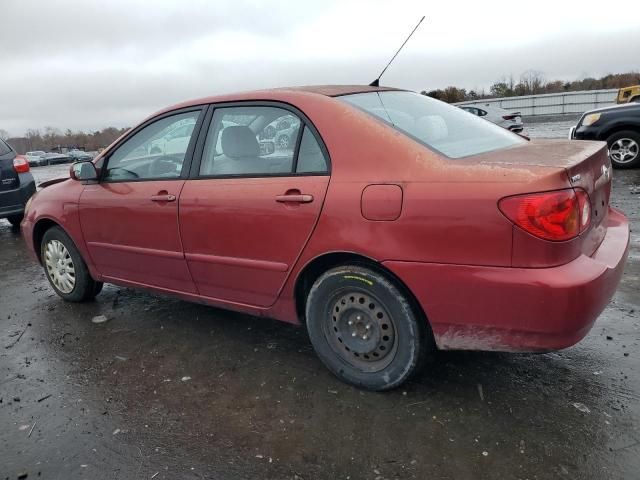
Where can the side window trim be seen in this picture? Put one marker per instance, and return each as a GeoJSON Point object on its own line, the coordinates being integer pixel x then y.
{"type": "Point", "coordinates": [194, 171]}
{"type": "Point", "coordinates": [188, 156]}
{"type": "Point", "coordinates": [296, 150]}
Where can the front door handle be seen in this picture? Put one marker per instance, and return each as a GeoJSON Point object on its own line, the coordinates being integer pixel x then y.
{"type": "Point", "coordinates": [163, 197]}
{"type": "Point", "coordinates": [294, 198]}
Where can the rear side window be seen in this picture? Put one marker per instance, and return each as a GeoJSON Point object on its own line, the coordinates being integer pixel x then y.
{"type": "Point", "coordinates": [250, 141]}
{"type": "Point", "coordinates": [4, 148]}
{"type": "Point", "coordinates": [441, 127]}
{"type": "Point", "coordinates": [310, 157]}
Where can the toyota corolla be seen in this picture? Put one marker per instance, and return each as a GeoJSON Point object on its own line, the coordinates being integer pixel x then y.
{"type": "Point", "coordinates": [391, 226]}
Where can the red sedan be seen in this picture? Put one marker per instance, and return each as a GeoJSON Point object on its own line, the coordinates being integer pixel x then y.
{"type": "Point", "coordinates": [392, 225]}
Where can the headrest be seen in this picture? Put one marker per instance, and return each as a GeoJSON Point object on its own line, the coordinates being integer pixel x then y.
{"type": "Point", "coordinates": [432, 128]}
{"type": "Point", "coordinates": [239, 141]}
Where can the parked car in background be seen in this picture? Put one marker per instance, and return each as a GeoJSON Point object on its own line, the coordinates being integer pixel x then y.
{"type": "Point", "coordinates": [52, 158]}
{"type": "Point", "coordinates": [283, 132]}
{"type": "Point", "coordinates": [173, 141]}
{"type": "Point", "coordinates": [619, 126]}
{"type": "Point", "coordinates": [629, 95]}
{"type": "Point", "coordinates": [506, 119]}
{"type": "Point", "coordinates": [397, 225]}
{"type": "Point", "coordinates": [77, 155]}
{"type": "Point", "coordinates": [36, 158]}
{"type": "Point", "coordinates": [16, 184]}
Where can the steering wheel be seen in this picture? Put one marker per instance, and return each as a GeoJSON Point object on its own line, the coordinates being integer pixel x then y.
{"type": "Point", "coordinates": [165, 164]}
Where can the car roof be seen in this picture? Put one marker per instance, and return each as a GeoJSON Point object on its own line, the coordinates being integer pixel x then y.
{"type": "Point", "coordinates": [280, 94]}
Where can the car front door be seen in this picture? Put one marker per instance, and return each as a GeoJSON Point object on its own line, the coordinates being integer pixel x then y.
{"type": "Point", "coordinates": [129, 218]}
{"type": "Point", "coordinates": [250, 205]}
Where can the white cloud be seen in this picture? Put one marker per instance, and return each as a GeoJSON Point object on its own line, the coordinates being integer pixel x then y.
{"type": "Point", "coordinates": [85, 65]}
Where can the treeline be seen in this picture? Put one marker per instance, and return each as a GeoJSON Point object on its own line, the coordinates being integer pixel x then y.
{"type": "Point", "coordinates": [53, 140]}
{"type": "Point", "coordinates": [533, 82]}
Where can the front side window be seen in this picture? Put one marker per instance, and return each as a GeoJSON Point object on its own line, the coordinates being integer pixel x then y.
{"type": "Point", "coordinates": [250, 141]}
{"type": "Point", "coordinates": [433, 123]}
{"type": "Point", "coordinates": [155, 152]}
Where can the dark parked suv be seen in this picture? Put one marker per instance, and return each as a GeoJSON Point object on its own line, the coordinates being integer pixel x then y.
{"type": "Point", "coordinates": [619, 126]}
{"type": "Point", "coordinates": [16, 184]}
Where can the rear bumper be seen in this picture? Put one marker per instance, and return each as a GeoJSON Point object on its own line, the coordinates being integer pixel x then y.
{"type": "Point", "coordinates": [519, 309]}
{"type": "Point", "coordinates": [12, 202]}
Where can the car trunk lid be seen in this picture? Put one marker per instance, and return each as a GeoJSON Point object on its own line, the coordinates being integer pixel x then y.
{"type": "Point", "coordinates": [587, 166]}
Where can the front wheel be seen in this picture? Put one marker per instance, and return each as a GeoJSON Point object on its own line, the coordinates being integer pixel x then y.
{"type": "Point", "coordinates": [364, 329]}
{"type": "Point", "coordinates": [65, 269]}
{"type": "Point", "coordinates": [624, 149]}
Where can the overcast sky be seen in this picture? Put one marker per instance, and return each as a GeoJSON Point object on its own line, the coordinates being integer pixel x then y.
{"type": "Point", "coordinates": [84, 64]}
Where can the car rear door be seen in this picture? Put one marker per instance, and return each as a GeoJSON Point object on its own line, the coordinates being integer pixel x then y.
{"type": "Point", "coordinates": [248, 208]}
{"type": "Point", "coordinates": [129, 218]}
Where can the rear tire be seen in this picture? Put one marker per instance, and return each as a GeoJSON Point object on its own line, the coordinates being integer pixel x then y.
{"type": "Point", "coordinates": [364, 329]}
{"type": "Point", "coordinates": [624, 149]}
{"type": "Point", "coordinates": [15, 220]}
{"type": "Point", "coordinates": [65, 269]}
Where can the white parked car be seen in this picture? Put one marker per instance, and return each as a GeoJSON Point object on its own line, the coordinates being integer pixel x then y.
{"type": "Point", "coordinates": [173, 141]}
{"type": "Point", "coordinates": [506, 119]}
{"type": "Point", "coordinates": [36, 158]}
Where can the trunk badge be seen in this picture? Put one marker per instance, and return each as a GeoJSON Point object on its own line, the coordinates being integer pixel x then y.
{"type": "Point", "coordinates": [575, 178]}
{"type": "Point", "coordinates": [606, 172]}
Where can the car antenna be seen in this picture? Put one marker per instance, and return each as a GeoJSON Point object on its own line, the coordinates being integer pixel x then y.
{"type": "Point", "coordinates": [376, 82]}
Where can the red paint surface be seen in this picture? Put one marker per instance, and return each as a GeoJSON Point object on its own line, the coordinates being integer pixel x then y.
{"type": "Point", "coordinates": [482, 282]}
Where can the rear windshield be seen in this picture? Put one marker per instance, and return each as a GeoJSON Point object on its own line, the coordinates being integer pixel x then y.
{"type": "Point", "coordinates": [4, 148]}
{"type": "Point", "coordinates": [448, 130]}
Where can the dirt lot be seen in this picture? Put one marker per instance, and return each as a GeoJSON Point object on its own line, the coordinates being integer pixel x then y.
{"type": "Point", "coordinates": [170, 390]}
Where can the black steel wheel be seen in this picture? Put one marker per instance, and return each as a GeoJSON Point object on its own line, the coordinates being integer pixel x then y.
{"type": "Point", "coordinates": [364, 329]}
{"type": "Point", "coordinates": [362, 332]}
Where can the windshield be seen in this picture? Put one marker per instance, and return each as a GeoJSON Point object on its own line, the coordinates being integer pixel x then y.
{"type": "Point", "coordinates": [441, 127]}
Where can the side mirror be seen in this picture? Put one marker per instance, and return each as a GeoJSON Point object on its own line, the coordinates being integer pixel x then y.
{"type": "Point", "coordinates": [83, 171]}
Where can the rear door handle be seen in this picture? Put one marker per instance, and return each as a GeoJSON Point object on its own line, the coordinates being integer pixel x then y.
{"type": "Point", "coordinates": [166, 197]}
{"type": "Point", "coordinates": [294, 198]}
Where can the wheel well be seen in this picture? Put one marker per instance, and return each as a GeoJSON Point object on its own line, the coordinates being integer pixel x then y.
{"type": "Point", "coordinates": [319, 265]}
{"type": "Point", "coordinates": [617, 129]}
{"type": "Point", "coordinates": [38, 232]}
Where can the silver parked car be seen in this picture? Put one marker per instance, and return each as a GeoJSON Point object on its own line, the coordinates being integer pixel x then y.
{"type": "Point", "coordinates": [36, 158]}
{"type": "Point", "coordinates": [506, 119]}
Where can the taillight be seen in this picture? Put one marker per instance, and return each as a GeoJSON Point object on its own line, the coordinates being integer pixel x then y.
{"type": "Point", "coordinates": [20, 165]}
{"type": "Point", "coordinates": [510, 117]}
{"type": "Point", "coordinates": [558, 215]}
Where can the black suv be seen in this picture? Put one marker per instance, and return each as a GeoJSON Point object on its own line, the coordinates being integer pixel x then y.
{"type": "Point", "coordinates": [16, 184]}
{"type": "Point", "coordinates": [619, 126]}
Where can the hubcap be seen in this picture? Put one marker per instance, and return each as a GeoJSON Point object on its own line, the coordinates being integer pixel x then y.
{"type": "Point", "coordinates": [624, 150]}
{"type": "Point", "coordinates": [361, 331]}
{"type": "Point", "coordinates": [59, 265]}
